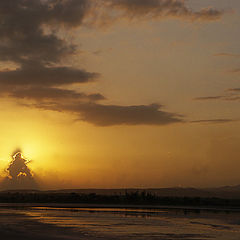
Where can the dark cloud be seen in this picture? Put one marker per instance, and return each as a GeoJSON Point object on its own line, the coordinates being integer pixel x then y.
{"type": "Point", "coordinates": [30, 38]}
{"type": "Point", "coordinates": [70, 13]}
{"type": "Point", "coordinates": [23, 28]}
{"type": "Point", "coordinates": [208, 98]}
{"type": "Point", "coordinates": [109, 115]}
{"type": "Point", "coordinates": [45, 76]}
{"type": "Point", "coordinates": [214, 121]}
{"type": "Point", "coordinates": [28, 27]}
{"type": "Point", "coordinates": [164, 8]}
{"type": "Point", "coordinates": [19, 174]}
{"type": "Point", "coordinates": [48, 93]}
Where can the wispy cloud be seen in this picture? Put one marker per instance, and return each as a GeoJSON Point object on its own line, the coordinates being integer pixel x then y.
{"type": "Point", "coordinates": [237, 90]}
{"type": "Point", "coordinates": [214, 121]}
{"type": "Point", "coordinates": [235, 70]}
{"type": "Point", "coordinates": [231, 94]}
{"type": "Point", "coordinates": [164, 8]}
{"type": "Point", "coordinates": [208, 98]}
{"type": "Point", "coordinates": [223, 54]}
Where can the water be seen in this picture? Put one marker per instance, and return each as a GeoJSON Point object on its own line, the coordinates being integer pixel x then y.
{"type": "Point", "coordinates": [28, 222]}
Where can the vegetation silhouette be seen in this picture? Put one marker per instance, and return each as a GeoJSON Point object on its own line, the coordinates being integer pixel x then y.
{"type": "Point", "coordinates": [132, 198]}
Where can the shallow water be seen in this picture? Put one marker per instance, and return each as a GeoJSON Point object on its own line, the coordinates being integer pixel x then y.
{"type": "Point", "coordinates": [117, 223]}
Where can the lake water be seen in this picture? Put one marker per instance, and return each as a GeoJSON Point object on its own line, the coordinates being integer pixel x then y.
{"type": "Point", "coordinates": [31, 222]}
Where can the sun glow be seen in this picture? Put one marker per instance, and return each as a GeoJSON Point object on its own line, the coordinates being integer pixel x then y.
{"type": "Point", "coordinates": [31, 150]}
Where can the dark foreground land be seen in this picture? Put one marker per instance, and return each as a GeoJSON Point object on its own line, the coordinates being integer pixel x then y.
{"type": "Point", "coordinates": [25, 222]}
{"type": "Point", "coordinates": [126, 215]}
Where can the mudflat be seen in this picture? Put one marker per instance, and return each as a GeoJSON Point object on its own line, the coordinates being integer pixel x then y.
{"type": "Point", "coordinates": [44, 222]}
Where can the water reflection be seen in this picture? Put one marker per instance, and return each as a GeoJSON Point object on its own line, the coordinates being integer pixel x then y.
{"type": "Point", "coordinates": [151, 223]}
{"type": "Point", "coordinates": [127, 223]}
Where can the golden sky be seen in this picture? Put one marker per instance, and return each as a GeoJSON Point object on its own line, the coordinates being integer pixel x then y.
{"type": "Point", "coordinates": [121, 93]}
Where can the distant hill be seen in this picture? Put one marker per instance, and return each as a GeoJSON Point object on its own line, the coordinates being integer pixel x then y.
{"type": "Point", "coordinates": [227, 188]}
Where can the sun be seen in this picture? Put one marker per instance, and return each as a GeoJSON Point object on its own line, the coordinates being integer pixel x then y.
{"type": "Point", "coordinates": [30, 150]}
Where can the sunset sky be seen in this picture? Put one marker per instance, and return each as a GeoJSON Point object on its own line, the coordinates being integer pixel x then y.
{"type": "Point", "coordinates": [122, 93]}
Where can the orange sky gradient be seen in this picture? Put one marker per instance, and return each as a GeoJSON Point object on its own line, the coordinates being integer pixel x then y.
{"type": "Point", "coordinates": [123, 93]}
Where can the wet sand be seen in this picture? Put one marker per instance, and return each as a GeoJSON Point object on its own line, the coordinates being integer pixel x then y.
{"type": "Point", "coordinates": [43, 222]}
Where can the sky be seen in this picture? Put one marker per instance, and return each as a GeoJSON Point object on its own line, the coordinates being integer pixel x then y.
{"type": "Point", "coordinates": [121, 93]}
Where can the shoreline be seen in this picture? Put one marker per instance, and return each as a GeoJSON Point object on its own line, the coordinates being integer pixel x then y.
{"type": "Point", "coordinates": [101, 207]}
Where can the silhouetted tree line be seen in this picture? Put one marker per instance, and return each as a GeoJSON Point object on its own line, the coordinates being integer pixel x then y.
{"type": "Point", "coordinates": [132, 198]}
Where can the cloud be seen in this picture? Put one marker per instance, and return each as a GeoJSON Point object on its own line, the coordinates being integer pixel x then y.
{"type": "Point", "coordinates": [164, 8]}
{"type": "Point", "coordinates": [19, 174]}
{"type": "Point", "coordinates": [234, 90]}
{"type": "Point", "coordinates": [49, 93]}
{"type": "Point", "coordinates": [28, 39]}
{"type": "Point", "coordinates": [208, 98]}
{"type": "Point", "coordinates": [231, 97]}
{"type": "Point", "coordinates": [231, 94]}
{"type": "Point", "coordinates": [109, 115]}
{"type": "Point", "coordinates": [24, 36]}
{"type": "Point", "coordinates": [31, 39]}
{"type": "Point", "coordinates": [38, 75]}
{"type": "Point", "coordinates": [28, 27]}
{"type": "Point", "coordinates": [214, 121]}
{"type": "Point", "coordinates": [235, 70]}
{"type": "Point", "coordinates": [222, 54]}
